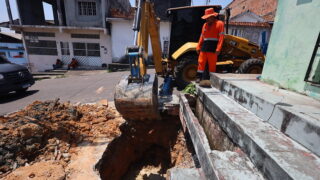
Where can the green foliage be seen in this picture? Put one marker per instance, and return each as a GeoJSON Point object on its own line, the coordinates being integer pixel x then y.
{"type": "Point", "coordinates": [190, 89]}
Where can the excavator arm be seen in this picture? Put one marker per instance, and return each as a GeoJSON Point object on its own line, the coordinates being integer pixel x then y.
{"type": "Point", "coordinates": [136, 95]}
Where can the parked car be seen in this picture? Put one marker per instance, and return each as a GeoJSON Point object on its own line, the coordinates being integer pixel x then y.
{"type": "Point", "coordinates": [14, 77]}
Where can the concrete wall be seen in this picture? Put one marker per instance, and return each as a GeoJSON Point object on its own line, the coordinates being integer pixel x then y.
{"type": "Point", "coordinates": [44, 62]}
{"type": "Point", "coordinates": [122, 36]}
{"type": "Point", "coordinates": [74, 19]}
{"type": "Point", "coordinates": [292, 42]}
{"type": "Point", "coordinates": [31, 12]}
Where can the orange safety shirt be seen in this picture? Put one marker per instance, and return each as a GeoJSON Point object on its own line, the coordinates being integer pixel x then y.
{"type": "Point", "coordinates": [211, 37]}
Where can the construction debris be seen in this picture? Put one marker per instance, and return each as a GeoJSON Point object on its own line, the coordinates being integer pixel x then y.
{"type": "Point", "coordinates": [49, 130]}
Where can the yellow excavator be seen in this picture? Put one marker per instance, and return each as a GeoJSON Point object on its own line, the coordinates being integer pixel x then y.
{"type": "Point", "coordinates": [136, 95]}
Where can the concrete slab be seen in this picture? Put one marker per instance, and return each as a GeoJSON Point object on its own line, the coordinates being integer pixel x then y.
{"type": "Point", "coordinates": [296, 115]}
{"type": "Point", "coordinates": [276, 155]}
{"type": "Point", "coordinates": [215, 164]}
{"type": "Point", "coordinates": [185, 174]}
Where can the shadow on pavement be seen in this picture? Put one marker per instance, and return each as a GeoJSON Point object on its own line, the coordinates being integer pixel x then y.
{"type": "Point", "coordinates": [15, 96]}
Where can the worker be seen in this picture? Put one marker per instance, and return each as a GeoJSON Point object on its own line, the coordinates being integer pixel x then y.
{"type": "Point", "coordinates": [210, 42]}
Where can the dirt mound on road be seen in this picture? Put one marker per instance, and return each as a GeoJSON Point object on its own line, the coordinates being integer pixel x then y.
{"type": "Point", "coordinates": [48, 131]}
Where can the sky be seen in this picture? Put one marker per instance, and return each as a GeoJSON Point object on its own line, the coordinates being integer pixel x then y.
{"type": "Point", "coordinates": [48, 10]}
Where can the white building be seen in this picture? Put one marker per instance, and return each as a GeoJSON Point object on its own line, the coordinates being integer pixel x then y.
{"type": "Point", "coordinates": [122, 36]}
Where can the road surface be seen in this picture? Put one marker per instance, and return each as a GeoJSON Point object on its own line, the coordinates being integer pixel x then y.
{"type": "Point", "coordinates": [87, 87]}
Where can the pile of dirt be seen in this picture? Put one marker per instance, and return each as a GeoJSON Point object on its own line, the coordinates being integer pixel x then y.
{"type": "Point", "coordinates": [49, 130]}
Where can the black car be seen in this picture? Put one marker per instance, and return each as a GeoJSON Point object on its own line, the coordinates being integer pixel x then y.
{"type": "Point", "coordinates": [14, 77]}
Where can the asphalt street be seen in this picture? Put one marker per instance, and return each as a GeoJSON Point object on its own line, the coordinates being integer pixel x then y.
{"type": "Point", "coordinates": [88, 87]}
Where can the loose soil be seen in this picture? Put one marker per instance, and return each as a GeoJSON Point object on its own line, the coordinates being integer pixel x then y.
{"type": "Point", "coordinates": [50, 131]}
{"type": "Point", "coordinates": [55, 140]}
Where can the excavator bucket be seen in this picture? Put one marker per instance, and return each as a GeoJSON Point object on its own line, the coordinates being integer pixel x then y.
{"type": "Point", "coordinates": [138, 101]}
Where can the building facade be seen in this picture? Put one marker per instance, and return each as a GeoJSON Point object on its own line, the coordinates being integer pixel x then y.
{"type": "Point", "coordinates": [79, 30]}
{"type": "Point", "coordinates": [293, 58]}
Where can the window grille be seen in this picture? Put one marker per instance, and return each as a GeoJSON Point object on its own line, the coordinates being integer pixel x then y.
{"type": "Point", "coordinates": [86, 36]}
{"type": "Point", "coordinates": [41, 34]}
{"type": "Point", "coordinates": [87, 8]}
{"type": "Point", "coordinates": [313, 72]}
{"type": "Point", "coordinates": [42, 47]}
{"type": "Point", "coordinates": [86, 49]}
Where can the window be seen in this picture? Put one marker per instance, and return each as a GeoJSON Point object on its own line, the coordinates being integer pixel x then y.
{"type": "Point", "coordinates": [64, 48]}
{"type": "Point", "coordinates": [313, 73]}
{"type": "Point", "coordinates": [42, 47]}
{"type": "Point", "coordinates": [86, 36]}
{"type": "Point", "coordinates": [42, 34]}
{"type": "Point", "coordinates": [86, 49]}
{"type": "Point", "coordinates": [3, 54]}
{"type": "Point", "coordinates": [165, 47]}
{"type": "Point", "coordinates": [87, 8]}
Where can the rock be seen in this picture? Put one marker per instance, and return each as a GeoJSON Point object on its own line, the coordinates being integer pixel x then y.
{"type": "Point", "coordinates": [103, 102]}
{"type": "Point", "coordinates": [66, 159]}
{"type": "Point", "coordinates": [28, 130]}
{"type": "Point", "coordinates": [20, 161]}
{"type": "Point", "coordinates": [65, 155]}
{"type": "Point", "coordinates": [2, 127]}
{"type": "Point", "coordinates": [14, 166]}
{"type": "Point", "coordinates": [51, 148]}
{"type": "Point", "coordinates": [29, 141]}
{"type": "Point", "coordinates": [1, 160]}
{"type": "Point", "coordinates": [8, 156]}
{"type": "Point", "coordinates": [31, 148]}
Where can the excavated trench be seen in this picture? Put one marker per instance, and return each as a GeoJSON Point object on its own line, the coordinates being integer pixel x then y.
{"type": "Point", "coordinates": [146, 150]}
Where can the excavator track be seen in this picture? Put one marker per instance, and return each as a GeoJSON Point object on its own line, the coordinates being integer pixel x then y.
{"type": "Point", "coordinates": [137, 101]}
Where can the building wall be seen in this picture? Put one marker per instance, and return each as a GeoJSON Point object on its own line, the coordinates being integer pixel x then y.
{"type": "Point", "coordinates": [44, 62]}
{"type": "Point", "coordinates": [291, 46]}
{"type": "Point", "coordinates": [74, 19]}
{"type": "Point", "coordinates": [253, 34]}
{"type": "Point", "coordinates": [246, 19]}
{"type": "Point", "coordinates": [122, 36]}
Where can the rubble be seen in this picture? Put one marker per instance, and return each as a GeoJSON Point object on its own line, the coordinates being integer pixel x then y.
{"type": "Point", "coordinates": [46, 131]}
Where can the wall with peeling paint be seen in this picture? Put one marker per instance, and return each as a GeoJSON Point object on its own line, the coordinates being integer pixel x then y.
{"type": "Point", "coordinates": [292, 43]}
